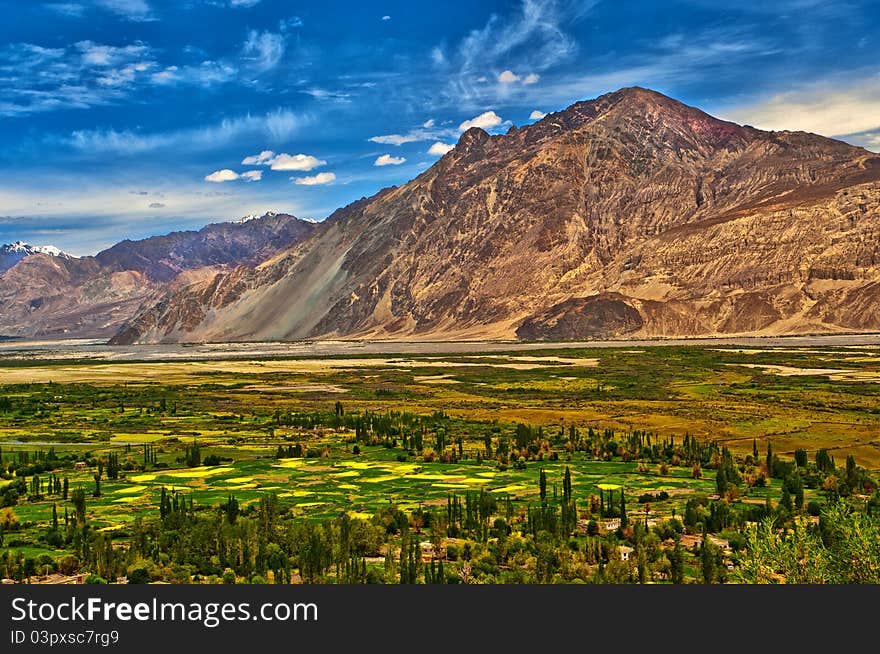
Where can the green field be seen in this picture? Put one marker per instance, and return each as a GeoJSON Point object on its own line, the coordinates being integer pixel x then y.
{"type": "Point", "coordinates": [354, 436]}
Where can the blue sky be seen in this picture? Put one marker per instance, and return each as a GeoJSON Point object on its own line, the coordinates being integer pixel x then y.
{"type": "Point", "coordinates": [128, 118]}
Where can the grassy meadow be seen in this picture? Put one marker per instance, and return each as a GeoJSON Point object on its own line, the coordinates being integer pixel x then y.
{"type": "Point", "coordinates": [247, 416]}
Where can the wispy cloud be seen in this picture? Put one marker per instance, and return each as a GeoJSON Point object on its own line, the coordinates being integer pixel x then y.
{"type": "Point", "coordinates": [263, 50]}
{"type": "Point", "coordinates": [868, 140]}
{"type": "Point", "coordinates": [536, 115]}
{"type": "Point", "coordinates": [534, 38]}
{"type": "Point", "coordinates": [133, 10]}
{"type": "Point", "coordinates": [315, 180]}
{"type": "Point", "coordinates": [675, 60]}
{"type": "Point", "coordinates": [400, 139]}
{"type": "Point", "coordinates": [206, 73]}
{"type": "Point", "coordinates": [326, 94]}
{"type": "Point", "coordinates": [276, 126]}
{"type": "Point", "coordinates": [36, 78]}
{"type": "Point", "coordinates": [830, 108]}
{"type": "Point", "coordinates": [69, 9]}
{"type": "Point", "coordinates": [259, 159]}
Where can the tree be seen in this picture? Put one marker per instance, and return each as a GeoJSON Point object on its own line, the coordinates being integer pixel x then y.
{"type": "Point", "coordinates": [78, 498]}
{"type": "Point", "coordinates": [566, 485]}
{"type": "Point", "coordinates": [193, 455]}
{"type": "Point", "coordinates": [676, 562]}
{"type": "Point", "coordinates": [709, 555]}
{"type": "Point", "coordinates": [542, 483]}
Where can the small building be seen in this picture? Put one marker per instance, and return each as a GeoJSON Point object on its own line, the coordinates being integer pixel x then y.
{"type": "Point", "coordinates": [625, 552]}
{"type": "Point", "coordinates": [80, 465]}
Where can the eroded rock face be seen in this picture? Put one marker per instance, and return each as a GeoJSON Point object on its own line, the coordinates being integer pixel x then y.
{"type": "Point", "coordinates": [606, 315]}
{"type": "Point", "coordinates": [630, 214]}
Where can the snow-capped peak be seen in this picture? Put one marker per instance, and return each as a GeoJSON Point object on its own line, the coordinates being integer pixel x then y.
{"type": "Point", "coordinates": [253, 216]}
{"type": "Point", "coordinates": [12, 253]}
{"type": "Point", "coordinates": [20, 247]}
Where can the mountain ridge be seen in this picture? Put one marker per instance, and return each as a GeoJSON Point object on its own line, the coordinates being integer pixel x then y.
{"type": "Point", "coordinates": [633, 195]}
{"type": "Point", "coordinates": [93, 296]}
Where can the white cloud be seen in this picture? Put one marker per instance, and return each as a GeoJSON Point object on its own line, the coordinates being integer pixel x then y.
{"type": "Point", "coordinates": [263, 50]}
{"type": "Point", "coordinates": [508, 77]}
{"type": "Point", "coordinates": [439, 149]}
{"type": "Point", "coordinates": [157, 205]}
{"type": "Point", "coordinates": [485, 120]}
{"type": "Point", "coordinates": [438, 56]}
{"type": "Point", "coordinates": [97, 54]}
{"type": "Point", "coordinates": [388, 160]}
{"type": "Point", "coordinates": [536, 115]}
{"type": "Point", "coordinates": [303, 162]}
{"type": "Point", "coordinates": [386, 17]}
{"type": "Point", "coordinates": [224, 175]}
{"type": "Point", "coordinates": [314, 180]}
{"type": "Point", "coordinates": [227, 175]}
{"type": "Point", "coordinates": [428, 124]}
{"type": "Point", "coordinates": [207, 73]}
{"type": "Point", "coordinates": [829, 108]}
{"type": "Point", "coordinates": [258, 159]}
{"type": "Point", "coordinates": [243, 3]}
{"type": "Point", "coordinates": [133, 10]}
{"type": "Point", "coordinates": [399, 139]}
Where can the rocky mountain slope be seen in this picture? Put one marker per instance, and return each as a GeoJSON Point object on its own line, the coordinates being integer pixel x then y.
{"type": "Point", "coordinates": [50, 296]}
{"type": "Point", "coordinates": [245, 242]}
{"type": "Point", "coordinates": [628, 215]}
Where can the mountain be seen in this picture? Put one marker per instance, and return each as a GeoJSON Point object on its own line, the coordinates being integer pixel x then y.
{"type": "Point", "coordinates": [12, 253]}
{"type": "Point", "coordinates": [45, 296]}
{"type": "Point", "coordinates": [243, 242]}
{"type": "Point", "coordinates": [628, 215]}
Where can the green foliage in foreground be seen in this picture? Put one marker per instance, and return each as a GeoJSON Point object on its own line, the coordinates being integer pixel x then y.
{"type": "Point", "coordinates": [844, 548]}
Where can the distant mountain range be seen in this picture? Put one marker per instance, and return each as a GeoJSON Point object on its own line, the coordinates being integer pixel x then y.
{"type": "Point", "coordinates": [45, 293]}
{"type": "Point", "coordinates": [630, 215]}
{"type": "Point", "coordinates": [12, 253]}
